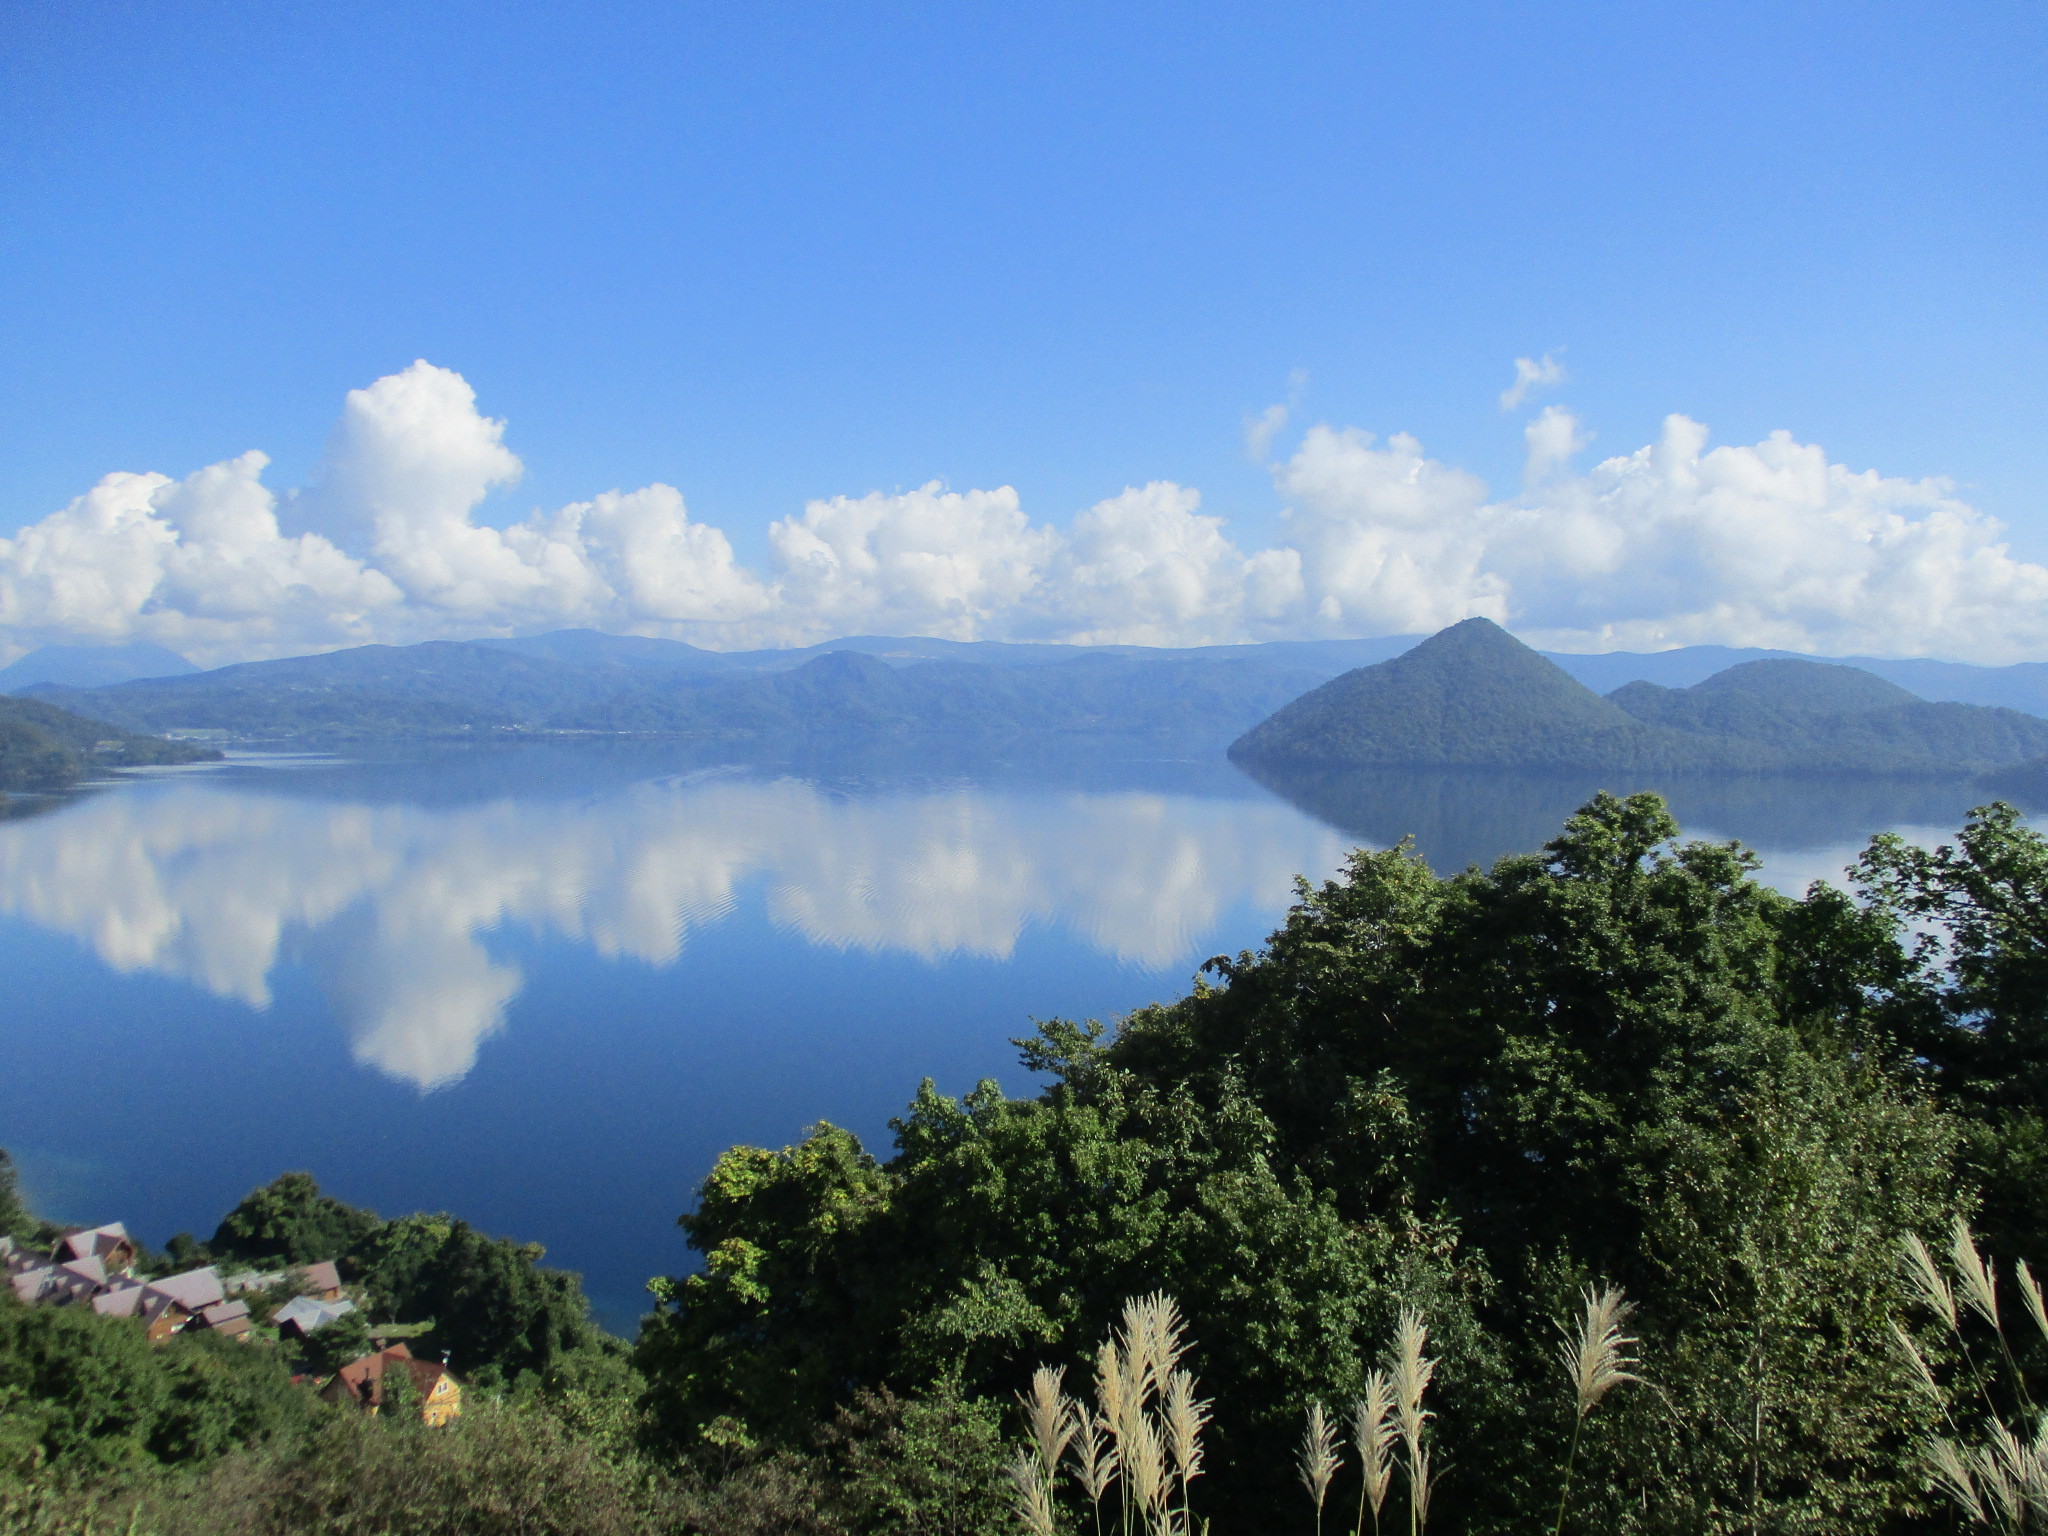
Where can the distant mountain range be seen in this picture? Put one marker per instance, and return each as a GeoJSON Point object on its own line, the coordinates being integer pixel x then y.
{"type": "Point", "coordinates": [92, 666]}
{"type": "Point", "coordinates": [612, 685]}
{"type": "Point", "coordinates": [1475, 697]}
{"type": "Point", "coordinates": [879, 689]}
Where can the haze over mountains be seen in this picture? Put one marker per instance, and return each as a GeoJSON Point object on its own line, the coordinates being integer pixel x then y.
{"type": "Point", "coordinates": [1471, 696]}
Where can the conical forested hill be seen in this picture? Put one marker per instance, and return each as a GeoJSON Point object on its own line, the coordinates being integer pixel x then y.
{"type": "Point", "coordinates": [1472, 696]}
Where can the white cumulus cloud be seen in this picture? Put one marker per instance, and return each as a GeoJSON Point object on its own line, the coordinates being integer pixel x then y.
{"type": "Point", "coordinates": [930, 561]}
{"type": "Point", "coordinates": [1674, 544]}
{"type": "Point", "coordinates": [1529, 377]}
{"type": "Point", "coordinates": [1677, 543]}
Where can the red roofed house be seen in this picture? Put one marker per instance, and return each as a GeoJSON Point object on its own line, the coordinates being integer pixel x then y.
{"type": "Point", "coordinates": [110, 1244]}
{"type": "Point", "coordinates": [168, 1304]}
{"type": "Point", "coordinates": [362, 1382]}
{"type": "Point", "coordinates": [56, 1284]}
{"type": "Point", "coordinates": [161, 1315]}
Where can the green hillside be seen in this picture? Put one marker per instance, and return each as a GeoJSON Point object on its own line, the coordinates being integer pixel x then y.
{"type": "Point", "coordinates": [1797, 714]}
{"type": "Point", "coordinates": [43, 747]}
{"type": "Point", "coordinates": [1471, 696]}
{"type": "Point", "coordinates": [1475, 697]}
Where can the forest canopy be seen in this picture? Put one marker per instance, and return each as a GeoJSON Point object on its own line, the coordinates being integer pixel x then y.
{"type": "Point", "coordinates": [1618, 1061]}
{"type": "Point", "coordinates": [1460, 1111]}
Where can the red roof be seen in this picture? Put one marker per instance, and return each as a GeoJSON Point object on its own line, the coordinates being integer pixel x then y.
{"type": "Point", "coordinates": [363, 1380]}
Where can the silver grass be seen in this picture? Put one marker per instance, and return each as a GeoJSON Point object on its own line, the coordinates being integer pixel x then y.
{"type": "Point", "coordinates": [1421, 1486]}
{"type": "Point", "coordinates": [1979, 1276]}
{"type": "Point", "coordinates": [1372, 1434]}
{"type": "Point", "coordinates": [1930, 1286]}
{"type": "Point", "coordinates": [1031, 1494]}
{"type": "Point", "coordinates": [1166, 1332]}
{"type": "Point", "coordinates": [1110, 1381]}
{"type": "Point", "coordinates": [1598, 1358]}
{"type": "Point", "coordinates": [1050, 1416]}
{"type": "Point", "coordinates": [1413, 1372]}
{"type": "Point", "coordinates": [1994, 1466]}
{"type": "Point", "coordinates": [1910, 1356]}
{"type": "Point", "coordinates": [1952, 1476]}
{"type": "Point", "coordinates": [1139, 1338]}
{"type": "Point", "coordinates": [1144, 1461]}
{"type": "Point", "coordinates": [1094, 1459]}
{"type": "Point", "coordinates": [1317, 1463]}
{"type": "Point", "coordinates": [2034, 1474]}
{"type": "Point", "coordinates": [1186, 1417]}
{"type": "Point", "coordinates": [2030, 1292]}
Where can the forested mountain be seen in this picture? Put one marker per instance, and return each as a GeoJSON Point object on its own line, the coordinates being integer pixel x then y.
{"type": "Point", "coordinates": [43, 747]}
{"type": "Point", "coordinates": [1470, 697]}
{"type": "Point", "coordinates": [1475, 697]}
{"type": "Point", "coordinates": [1801, 714]}
{"type": "Point", "coordinates": [460, 689]}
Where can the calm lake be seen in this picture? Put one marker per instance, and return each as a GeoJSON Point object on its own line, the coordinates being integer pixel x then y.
{"type": "Point", "coordinates": [543, 987]}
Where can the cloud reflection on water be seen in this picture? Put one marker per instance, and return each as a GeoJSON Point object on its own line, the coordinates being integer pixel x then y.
{"type": "Point", "coordinates": [392, 903]}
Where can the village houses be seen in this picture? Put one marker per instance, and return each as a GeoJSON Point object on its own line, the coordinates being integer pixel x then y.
{"type": "Point", "coordinates": [94, 1266]}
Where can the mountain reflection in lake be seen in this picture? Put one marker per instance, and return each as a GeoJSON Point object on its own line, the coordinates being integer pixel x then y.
{"type": "Point", "coordinates": [1474, 817]}
{"type": "Point", "coordinates": [543, 988]}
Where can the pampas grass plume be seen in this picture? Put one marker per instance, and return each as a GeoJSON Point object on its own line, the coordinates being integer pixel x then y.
{"type": "Point", "coordinates": [1979, 1277]}
{"type": "Point", "coordinates": [1318, 1460]}
{"type": "Point", "coordinates": [1929, 1283]}
{"type": "Point", "coordinates": [1597, 1358]}
{"type": "Point", "coordinates": [1372, 1434]}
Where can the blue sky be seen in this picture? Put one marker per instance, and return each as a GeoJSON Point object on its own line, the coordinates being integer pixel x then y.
{"type": "Point", "coordinates": [771, 256]}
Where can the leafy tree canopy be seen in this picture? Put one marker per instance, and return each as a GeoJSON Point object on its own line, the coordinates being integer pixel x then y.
{"type": "Point", "coordinates": [1620, 1058]}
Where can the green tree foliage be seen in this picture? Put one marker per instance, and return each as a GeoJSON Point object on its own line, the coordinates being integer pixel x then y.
{"type": "Point", "coordinates": [491, 1301]}
{"type": "Point", "coordinates": [493, 1304]}
{"type": "Point", "coordinates": [928, 1466]}
{"type": "Point", "coordinates": [83, 1394]}
{"type": "Point", "coordinates": [16, 1220]}
{"type": "Point", "coordinates": [290, 1221]}
{"type": "Point", "coordinates": [1980, 972]}
{"type": "Point", "coordinates": [43, 747]}
{"type": "Point", "coordinates": [328, 1348]}
{"type": "Point", "coordinates": [1620, 1058]}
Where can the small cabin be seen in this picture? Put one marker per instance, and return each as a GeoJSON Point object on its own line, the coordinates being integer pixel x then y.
{"type": "Point", "coordinates": [110, 1244]}
{"type": "Point", "coordinates": [361, 1382]}
{"type": "Point", "coordinates": [321, 1281]}
{"type": "Point", "coordinates": [230, 1319]}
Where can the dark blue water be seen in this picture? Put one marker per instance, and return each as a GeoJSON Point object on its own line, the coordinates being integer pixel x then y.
{"type": "Point", "coordinates": [544, 989]}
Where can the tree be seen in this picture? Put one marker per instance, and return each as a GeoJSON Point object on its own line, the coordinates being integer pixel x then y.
{"type": "Point", "coordinates": [15, 1219]}
{"type": "Point", "coordinates": [1619, 1059]}
{"type": "Point", "coordinates": [87, 1394]}
{"type": "Point", "coordinates": [490, 1300]}
{"type": "Point", "coordinates": [1981, 975]}
{"type": "Point", "coordinates": [290, 1221]}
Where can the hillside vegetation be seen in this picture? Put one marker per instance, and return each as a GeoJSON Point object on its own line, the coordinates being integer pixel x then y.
{"type": "Point", "coordinates": [1473, 696]}
{"type": "Point", "coordinates": [1455, 1112]}
{"type": "Point", "coordinates": [43, 747]}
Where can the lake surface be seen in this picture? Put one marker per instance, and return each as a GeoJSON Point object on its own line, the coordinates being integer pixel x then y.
{"type": "Point", "coordinates": [543, 988]}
